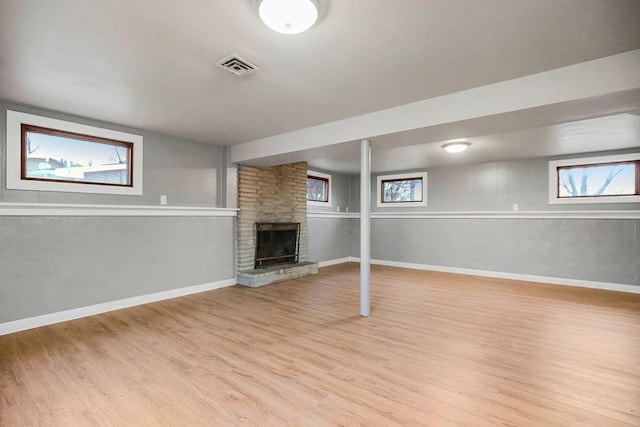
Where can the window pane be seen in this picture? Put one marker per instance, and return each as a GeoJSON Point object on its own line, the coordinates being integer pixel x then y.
{"type": "Point", "coordinates": [317, 189]}
{"type": "Point", "coordinates": [65, 158]}
{"type": "Point", "coordinates": [612, 179]}
{"type": "Point", "coordinates": [398, 191]}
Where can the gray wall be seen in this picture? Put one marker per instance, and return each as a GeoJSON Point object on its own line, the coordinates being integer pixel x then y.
{"type": "Point", "coordinates": [54, 263]}
{"type": "Point", "coordinates": [186, 172]}
{"type": "Point", "coordinates": [330, 238]}
{"type": "Point", "coordinates": [49, 264]}
{"type": "Point", "coordinates": [488, 187]}
{"type": "Point", "coordinates": [597, 250]}
{"type": "Point", "coordinates": [339, 193]}
{"type": "Point", "coordinates": [606, 250]}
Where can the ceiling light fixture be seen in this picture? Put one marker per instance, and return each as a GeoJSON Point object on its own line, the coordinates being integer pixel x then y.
{"type": "Point", "coordinates": [456, 146]}
{"type": "Point", "coordinates": [288, 16]}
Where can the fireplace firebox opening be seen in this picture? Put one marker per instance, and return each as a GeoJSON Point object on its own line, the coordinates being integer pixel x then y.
{"type": "Point", "coordinates": [277, 243]}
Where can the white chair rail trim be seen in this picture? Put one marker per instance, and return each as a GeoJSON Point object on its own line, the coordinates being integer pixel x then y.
{"type": "Point", "coordinates": [599, 214]}
{"type": "Point", "coordinates": [57, 209]}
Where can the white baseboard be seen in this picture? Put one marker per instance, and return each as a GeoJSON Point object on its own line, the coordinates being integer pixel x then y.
{"type": "Point", "coordinates": [334, 262]}
{"type": "Point", "coordinates": [77, 313]}
{"type": "Point", "coordinates": [512, 276]}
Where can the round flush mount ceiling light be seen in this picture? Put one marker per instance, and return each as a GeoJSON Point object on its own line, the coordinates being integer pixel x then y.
{"type": "Point", "coordinates": [288, 16]}
{"type": "Point", "coordinates": [456, 146]}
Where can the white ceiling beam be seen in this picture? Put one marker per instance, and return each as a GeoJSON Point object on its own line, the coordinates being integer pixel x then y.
{"type": "Point", "coordinates": [617, 73]}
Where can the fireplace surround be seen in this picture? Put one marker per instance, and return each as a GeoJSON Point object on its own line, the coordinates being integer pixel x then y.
{"type": "Point", "coordinates": [275, 195]}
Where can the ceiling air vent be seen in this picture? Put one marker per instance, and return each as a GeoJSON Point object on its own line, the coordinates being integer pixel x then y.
{"type": "Point", "coordinates": [238, 66]}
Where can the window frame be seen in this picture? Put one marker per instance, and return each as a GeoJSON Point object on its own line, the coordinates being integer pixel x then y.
{"type": "Point", "coordinates": [324, 177]}
{"type": "Point", "coordinates": [554, 178]}
{"type": "Point", "coordinates": [401, 177]}
{"type": "Point", "coordinates": [26, 128]}
{"type": "Point", "coordinates": [17, 122]}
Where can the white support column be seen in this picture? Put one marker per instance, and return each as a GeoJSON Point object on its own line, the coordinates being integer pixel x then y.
{"type": "Point", "coordinates": [365, 226]}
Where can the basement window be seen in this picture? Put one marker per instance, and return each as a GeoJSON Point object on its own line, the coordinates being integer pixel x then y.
{"type": "Point", "coordinates": [604, 179]}
{"type": "Point", "coordinates": [318, 189]}
{"type": "Point", "coordinates": [45, 154]}
{"type": "Point", "coordinates": [402, 190]}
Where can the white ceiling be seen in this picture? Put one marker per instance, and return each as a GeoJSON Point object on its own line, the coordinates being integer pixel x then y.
{"type": "Point", "coordinates": [151, 63]}
{"type": "Point", "coordinates": [621, 131]}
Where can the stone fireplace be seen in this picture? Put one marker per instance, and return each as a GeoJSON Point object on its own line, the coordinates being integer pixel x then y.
{"type": "Point", "coordinates": [278, 196]}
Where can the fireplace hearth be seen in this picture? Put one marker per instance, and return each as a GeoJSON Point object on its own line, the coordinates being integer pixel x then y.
{"type": "Point", "coordinates": [277, 243]}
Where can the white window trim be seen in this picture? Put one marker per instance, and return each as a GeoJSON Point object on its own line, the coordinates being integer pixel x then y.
{"type": "Point", "coordinates": [14, 181]}
{"type": "Point", "coordinates": [328, 203]}
{"type": "Point", "coordinates": [423, 203]}
{"type": "Point", "coordinates": [553, 180]}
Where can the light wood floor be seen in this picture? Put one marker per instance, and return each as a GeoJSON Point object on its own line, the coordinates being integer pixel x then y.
{"type": "Point", "coordinates": [439, 350]}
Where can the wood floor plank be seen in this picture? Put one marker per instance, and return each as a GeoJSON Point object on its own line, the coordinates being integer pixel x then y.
{"type": "Point", "coordinates": [439, 350]}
